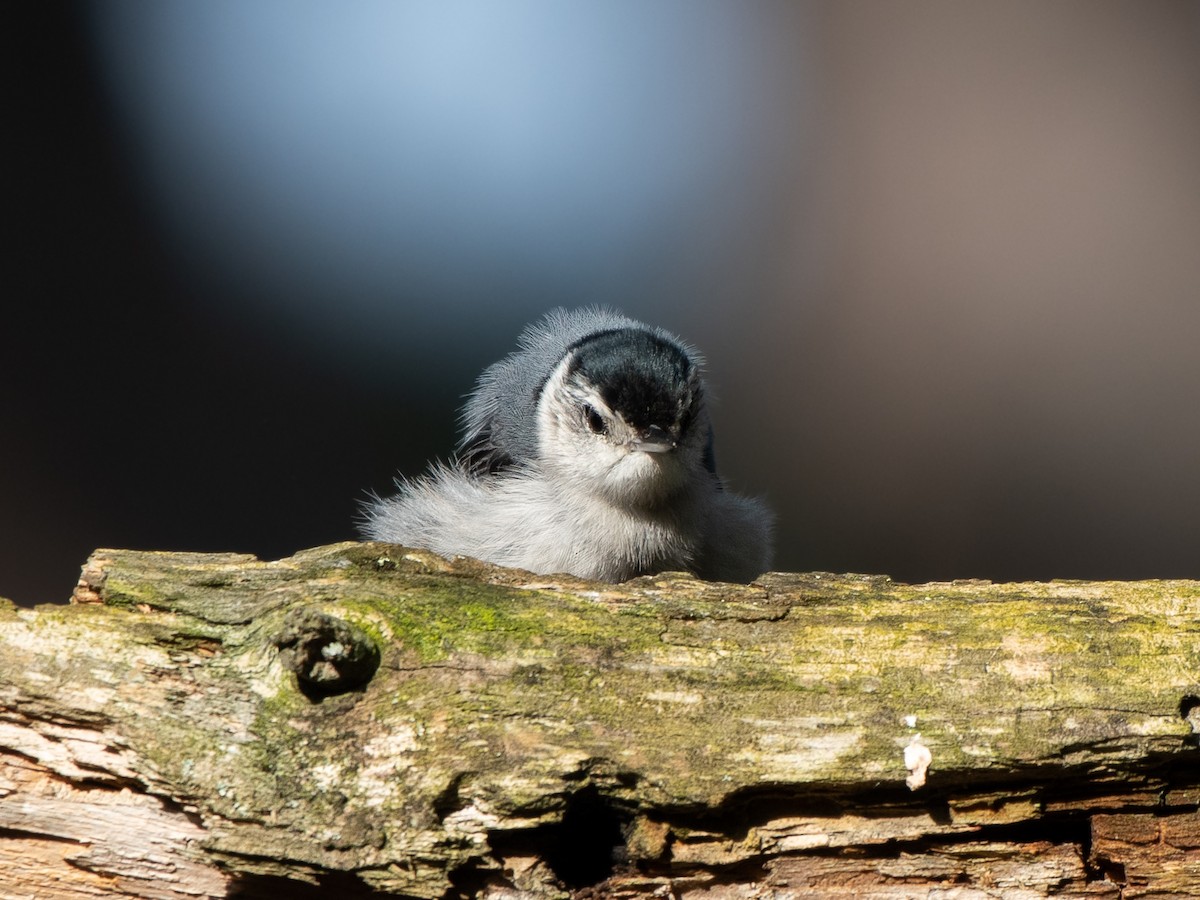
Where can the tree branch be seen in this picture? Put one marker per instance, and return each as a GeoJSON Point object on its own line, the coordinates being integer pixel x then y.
{"type": "Point", "coordinates": [378, 721]}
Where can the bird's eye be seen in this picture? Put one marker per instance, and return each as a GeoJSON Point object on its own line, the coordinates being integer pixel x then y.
{"type": "Point", "coordinates": [594, 420]}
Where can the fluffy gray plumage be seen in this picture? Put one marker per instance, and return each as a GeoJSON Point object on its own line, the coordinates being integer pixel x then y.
{"type": "Point", "coordinates": [588, 450]}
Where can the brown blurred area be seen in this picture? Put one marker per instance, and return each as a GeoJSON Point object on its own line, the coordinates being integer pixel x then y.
{"type": "Point", "coordinates": [982, 344]}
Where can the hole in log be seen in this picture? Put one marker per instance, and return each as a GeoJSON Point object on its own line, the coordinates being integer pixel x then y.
{"type": "Point", "coordinates": [1188, 705]}
{"type": "Point", "coordinates": [582, 849]}
{"type": "Point", "coordinates": [327, 655]}
{"type": "Point", "coordinates": [587, 842]}
{"type": "Point", "coordinates": [1111, 871]}
{"type": "Point", "coordinates": [334, 884]}
{"type": "Point", "coordinates": [1189, 710]}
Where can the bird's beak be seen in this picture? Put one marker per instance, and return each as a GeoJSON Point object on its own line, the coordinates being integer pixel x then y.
{"type": "Point", "coordinates": [654, 440]}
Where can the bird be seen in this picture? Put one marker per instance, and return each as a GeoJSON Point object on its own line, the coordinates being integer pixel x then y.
{"type": "Point", "coordinates": [586, 451]}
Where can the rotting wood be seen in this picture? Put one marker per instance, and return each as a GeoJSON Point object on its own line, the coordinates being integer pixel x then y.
{"type": "Point", "coordinates": [366, 720]}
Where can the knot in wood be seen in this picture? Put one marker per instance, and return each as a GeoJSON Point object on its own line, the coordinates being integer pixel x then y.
{"type": "Point", "coordinates": [327, 654]}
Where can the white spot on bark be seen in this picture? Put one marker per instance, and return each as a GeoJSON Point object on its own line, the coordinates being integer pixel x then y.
{"type": "Point", "coordinates": [917, 758]}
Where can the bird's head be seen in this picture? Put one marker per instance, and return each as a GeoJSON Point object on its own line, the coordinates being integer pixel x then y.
{"type": "Point", "coordinates": [623, 416]}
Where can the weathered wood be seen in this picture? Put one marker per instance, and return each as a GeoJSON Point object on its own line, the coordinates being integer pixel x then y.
{"type": "Point", "coordinates": [363, 718]}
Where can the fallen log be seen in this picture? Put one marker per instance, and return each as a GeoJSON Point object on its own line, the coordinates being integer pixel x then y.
{"type": "Point", "coordinates": [363, 720]}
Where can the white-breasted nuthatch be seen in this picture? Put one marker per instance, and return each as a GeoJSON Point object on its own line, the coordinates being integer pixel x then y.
{"type": "Point", "coordinates": [588, 451]}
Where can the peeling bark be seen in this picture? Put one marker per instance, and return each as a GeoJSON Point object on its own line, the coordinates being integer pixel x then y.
{"type": "Point", "coordinates": [365, 720]}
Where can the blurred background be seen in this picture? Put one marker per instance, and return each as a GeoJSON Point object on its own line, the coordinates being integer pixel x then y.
{"type": "Point", "coordinates": [943, 259]}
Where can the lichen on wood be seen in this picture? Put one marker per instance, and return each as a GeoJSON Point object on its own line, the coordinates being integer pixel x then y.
{"type": "Point", "coordinates": [379, 721]}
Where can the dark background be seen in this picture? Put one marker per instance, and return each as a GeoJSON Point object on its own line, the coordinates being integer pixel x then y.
{"type": "Point", "coordinates": [943, 258]}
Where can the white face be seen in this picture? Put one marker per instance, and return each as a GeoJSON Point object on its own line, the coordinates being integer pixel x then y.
{"type": "Point", "coordinates": [585, 443]}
